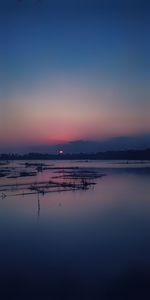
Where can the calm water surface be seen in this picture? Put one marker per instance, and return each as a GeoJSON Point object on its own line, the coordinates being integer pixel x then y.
{"type": "Point", "coordinates": [85, 244]}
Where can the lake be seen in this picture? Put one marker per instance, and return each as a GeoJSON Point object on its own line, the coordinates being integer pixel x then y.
{"type": "Point", "coordinates": [68, 241]}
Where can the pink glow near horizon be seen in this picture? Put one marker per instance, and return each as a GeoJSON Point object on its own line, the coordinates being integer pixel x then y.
{"type": "Point", "coordinates": [69, 112]}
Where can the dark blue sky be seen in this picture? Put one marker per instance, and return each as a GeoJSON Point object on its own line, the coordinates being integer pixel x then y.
{"type": "Point", "coordinates": [79, 67]}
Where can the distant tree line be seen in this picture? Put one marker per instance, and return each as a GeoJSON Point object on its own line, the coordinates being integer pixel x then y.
{"type": "Point", "coordinates": [108, 155]}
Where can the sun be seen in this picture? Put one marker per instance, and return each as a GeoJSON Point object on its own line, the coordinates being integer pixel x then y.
{"type": "Point", "coordinates": [61, 152]}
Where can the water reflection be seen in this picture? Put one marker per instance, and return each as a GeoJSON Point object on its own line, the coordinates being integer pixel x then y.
{"type": "Point", "coordinates": [89, 244]}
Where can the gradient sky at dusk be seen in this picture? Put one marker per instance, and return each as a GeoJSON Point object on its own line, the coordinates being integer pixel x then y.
{"type": "Point", "coordinates": [72, 70]}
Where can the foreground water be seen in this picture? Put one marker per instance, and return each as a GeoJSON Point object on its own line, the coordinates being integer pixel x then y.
{"type": "Point", "coordinates": [82, 244]}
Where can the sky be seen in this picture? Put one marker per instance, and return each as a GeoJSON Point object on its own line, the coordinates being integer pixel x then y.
{"type": "Point", "coordinates": [73, 70]}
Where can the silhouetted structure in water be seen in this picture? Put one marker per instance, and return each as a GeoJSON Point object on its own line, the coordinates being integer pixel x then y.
{"type": "Point", "coordinates": [39, 207]}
